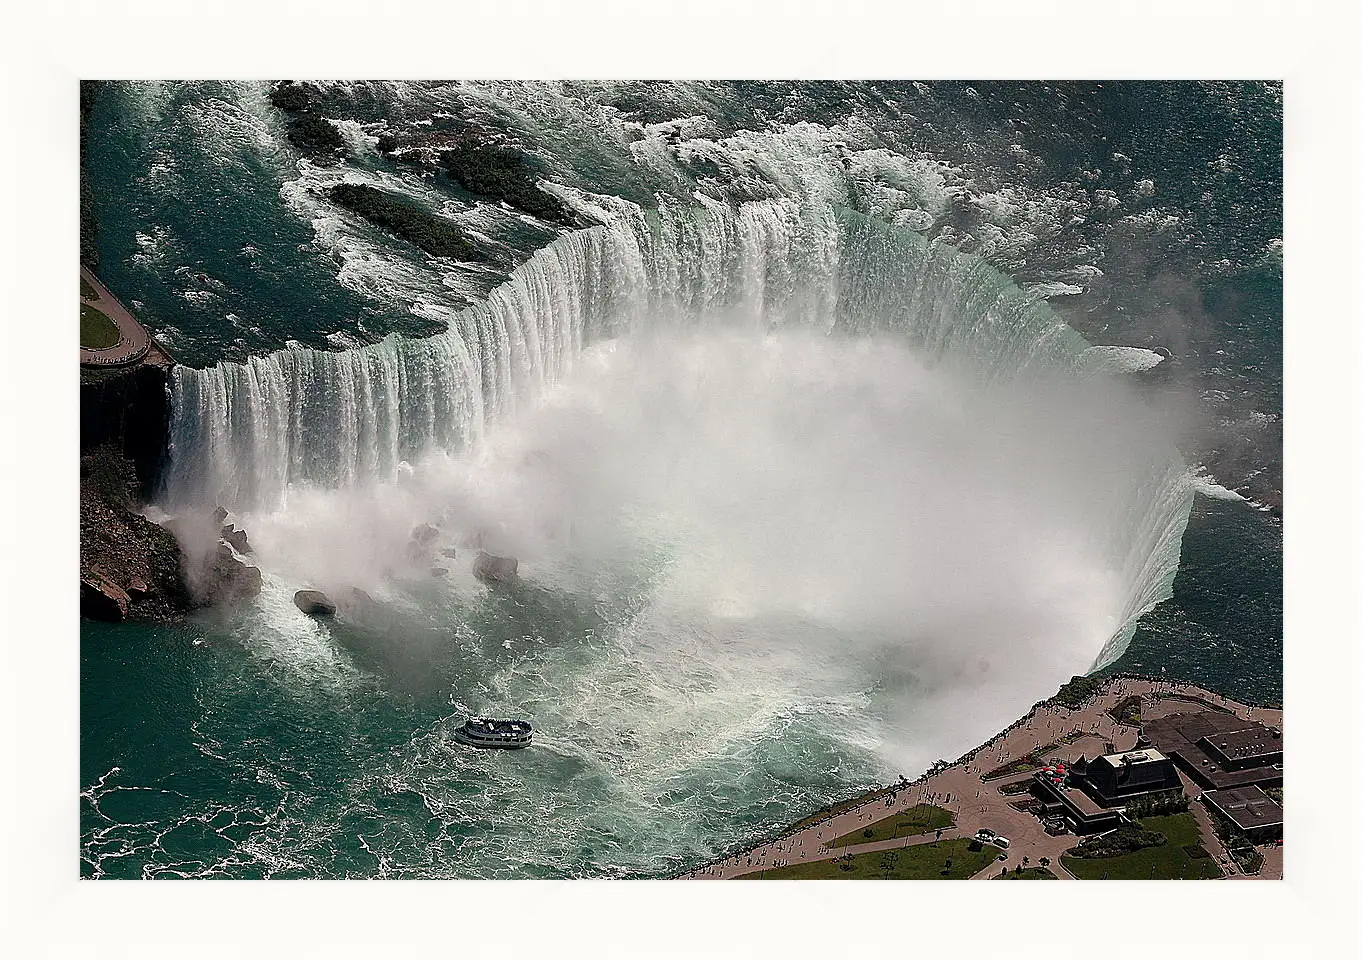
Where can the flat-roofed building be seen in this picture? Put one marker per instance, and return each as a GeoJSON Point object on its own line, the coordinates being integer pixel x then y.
{"type": "Point", "coordinates": [1254, 746]}
{"type": "Point", "coordinates": [1219, 750]}
{"type": "Point", "coordinates": [1251, 811]}
{"type": "Point", "coordinates": [1081, 813]}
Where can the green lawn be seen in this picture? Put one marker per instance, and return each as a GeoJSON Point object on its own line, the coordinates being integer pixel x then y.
{"type": "Point", "coordinates": [96, 329]}
{"type": "Point", "coordinates": [923, 818]}
{"type": "Point", "coordinates": [924, 861]}
{"type": "Point", "coordinates": [1028, 873]}
{"type": "Point", "coordinates": [1169, 862]}
{"type": "Point", "coordinates": [87, 291]}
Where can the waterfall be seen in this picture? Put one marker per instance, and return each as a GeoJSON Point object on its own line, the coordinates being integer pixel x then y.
{"type": "Point", "coordinates": [243, 433]}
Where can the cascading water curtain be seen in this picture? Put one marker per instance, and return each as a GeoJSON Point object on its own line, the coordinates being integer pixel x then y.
{"type": "Point", "coordinates": [243, 433]}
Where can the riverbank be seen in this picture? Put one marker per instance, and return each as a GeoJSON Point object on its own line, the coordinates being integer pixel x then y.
{"type": "Point", "coordinates": [132, 568]}
{"type": "Point", "coordinates": [1078, 721]}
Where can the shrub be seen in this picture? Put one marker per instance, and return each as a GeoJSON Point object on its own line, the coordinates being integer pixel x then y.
{"type": "Point", "coordinates": [1157, 804]}
{"type": "Point", "coordinates": [1127, 838]}
{"type": "Point", "coordinates": [1127, 711]}
{"type": "Point", "coordinates": [1076, 691]}
{"type": "Point", "coordinates": [1249, 859]}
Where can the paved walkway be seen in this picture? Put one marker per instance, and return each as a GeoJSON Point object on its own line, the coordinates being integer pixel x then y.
{"type": "Point", "coordinates": [977, 804]}
{"type": "Point", "coordinates": [133, 339]}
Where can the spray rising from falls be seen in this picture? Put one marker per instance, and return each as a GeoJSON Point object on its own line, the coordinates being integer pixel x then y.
{"type": "Point", "coordinates": [261, 435]}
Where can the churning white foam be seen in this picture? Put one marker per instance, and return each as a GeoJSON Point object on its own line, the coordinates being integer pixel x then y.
{"type": "Point", "coordinates": [822, 520]}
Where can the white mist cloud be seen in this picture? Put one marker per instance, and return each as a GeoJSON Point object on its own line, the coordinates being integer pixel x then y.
{"type": "Point", "coordinates": [828, 518]}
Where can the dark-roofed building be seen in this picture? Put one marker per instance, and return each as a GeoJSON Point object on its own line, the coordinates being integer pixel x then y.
{"type": "Point", "coordinates": [1242, 749]}
{"type": "Point", "coordinates": [1116, 777]}
{"type": "Point", "coordinates": [1219, 750]}
{"type": "Point", "coordinates": [1077, 809]}
{"type": "Point", "coordinates": [1092, 795]}
{"type": "Point", "coordinates": [1253, 812]}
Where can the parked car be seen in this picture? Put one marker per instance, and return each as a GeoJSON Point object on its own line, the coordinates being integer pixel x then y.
{"type": "Point", "coordinates": [1002, 856]}
{"type": "Point", "coordinates": [1001, 842]}
{"type": "Point", "coordinates": [985, 835]}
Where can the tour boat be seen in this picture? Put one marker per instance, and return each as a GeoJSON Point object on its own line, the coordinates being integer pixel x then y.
{"type": "Point", "coordinates": [495, 734]}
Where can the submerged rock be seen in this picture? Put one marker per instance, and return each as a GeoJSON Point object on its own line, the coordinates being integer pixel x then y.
{"type": "Point", "coordinates": [315, 603]}
{"type": "Point", "coordinates": [356, 602]}
{"type": "Point", "coordinates": [492, 569]}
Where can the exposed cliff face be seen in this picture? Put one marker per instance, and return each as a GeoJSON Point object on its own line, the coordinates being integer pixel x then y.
{"type": "Point", "coordinates": [130, 568]}
{"type": "Point", "coordinates": [134, 569]}
{"type": "Point", "coordinates": [127, 410]}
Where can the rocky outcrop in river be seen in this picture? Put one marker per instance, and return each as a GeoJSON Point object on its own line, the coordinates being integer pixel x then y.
{"type": "Point", "coordinates": [314, 603]}
{"type": "Point", "coordinates": [130, 567]}
{"type": "Point", "coordinates": [490, 569]}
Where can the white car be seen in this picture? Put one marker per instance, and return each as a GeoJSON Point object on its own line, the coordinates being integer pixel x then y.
{"type": "Point", "coordinates": [1000, 842]}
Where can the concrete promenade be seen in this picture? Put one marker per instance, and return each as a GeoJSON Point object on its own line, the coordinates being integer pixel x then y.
{"type": "Point", "coordinates": [133, 339]}
{"type": "Point", "coordinates": [978, 804]}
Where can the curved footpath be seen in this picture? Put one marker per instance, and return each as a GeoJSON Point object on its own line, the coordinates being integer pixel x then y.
{"type": "Point", "coordinates": [133, 339]}
{"type": "Point", "coordinates": [977, 804]}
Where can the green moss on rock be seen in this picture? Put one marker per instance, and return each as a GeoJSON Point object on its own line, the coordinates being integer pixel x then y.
{"type": "Point", "coordinates": [502, 173]}
{"type": "Point", "coordinates": [403, 218]}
